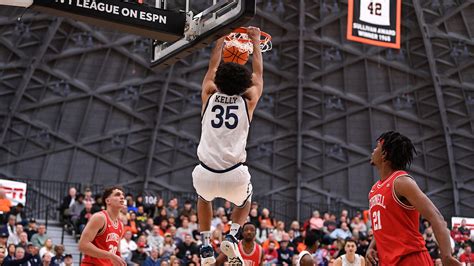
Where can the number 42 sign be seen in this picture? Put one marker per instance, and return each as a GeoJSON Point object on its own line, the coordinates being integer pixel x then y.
{"type": "Point", "coordinates": [375, 22]}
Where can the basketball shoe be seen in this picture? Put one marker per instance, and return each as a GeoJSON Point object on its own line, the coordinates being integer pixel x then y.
{"type": "Point", "coordinates": [207, 255]}
{"type": "Point", "coordinates": [230, 247]}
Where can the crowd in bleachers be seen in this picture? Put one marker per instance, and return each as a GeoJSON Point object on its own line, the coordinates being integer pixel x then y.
{"type": "Point", "coordinates": [166, 233]}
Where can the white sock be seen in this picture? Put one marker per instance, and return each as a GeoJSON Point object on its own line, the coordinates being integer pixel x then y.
{"type": "Point", "coordinates": [206, 238]}
{"type": "Point", "coordinates": [234, 229]}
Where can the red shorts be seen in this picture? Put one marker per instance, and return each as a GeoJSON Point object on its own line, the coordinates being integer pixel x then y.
{"type": "Point", "coordinates": [418, 258]}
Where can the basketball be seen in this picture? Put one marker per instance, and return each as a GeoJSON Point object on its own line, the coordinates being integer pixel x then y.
{"type": "Point", "coordinates": [233, 54]}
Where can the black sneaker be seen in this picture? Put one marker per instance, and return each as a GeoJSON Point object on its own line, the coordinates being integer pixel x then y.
{"type": "Point", "coordinates": [230, 247]}
{"type": "Point", "coordinates": [207, 255]}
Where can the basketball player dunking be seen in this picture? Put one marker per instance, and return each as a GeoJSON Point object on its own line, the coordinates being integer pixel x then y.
{"type": "Point", "coordinates": [396, 203]}
{"type": "Point", "coordinates": [102, 234]}
{"type": "Point", "coordinates": [305, 258]}
{"type": "Point", "coordinates": [230, 93]}
{"type": "Point", "coordinates": [250, 250]}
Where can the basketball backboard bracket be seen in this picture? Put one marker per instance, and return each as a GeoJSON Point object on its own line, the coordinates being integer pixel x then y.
{"type": "Point", "coordinates": [203, 28]}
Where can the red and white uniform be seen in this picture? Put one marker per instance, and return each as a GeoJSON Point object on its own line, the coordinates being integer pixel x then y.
{"type": "Point", "coordinates": [107, 239]}
{"type": "Point", "coordinates": [252, 259]}
{"type": "Point", "coordinates": [395, 226]}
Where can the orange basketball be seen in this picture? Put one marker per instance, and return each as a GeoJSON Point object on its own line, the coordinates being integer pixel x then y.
{"type": "Point", "coordinates": [233, 54]}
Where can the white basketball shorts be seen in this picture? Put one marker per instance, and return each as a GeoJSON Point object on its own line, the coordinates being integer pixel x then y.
{"type": "Point", "coordinates": [233, 184]}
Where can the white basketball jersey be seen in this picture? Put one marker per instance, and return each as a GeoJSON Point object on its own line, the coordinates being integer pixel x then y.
{"type": "Point", "coordinates": [375, 12]}
{"type": "Point", "coordinates": [225, 126]}
{"type": "Point", "coordinates": [301, 255]}
{"type": "Point", "coordinates": [357, 261]}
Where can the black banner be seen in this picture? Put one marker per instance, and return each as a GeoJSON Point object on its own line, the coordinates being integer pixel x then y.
{"type": "Point", "coordinates": [165, 25]}
{"type": "Point", "coordinates": [375, 22]}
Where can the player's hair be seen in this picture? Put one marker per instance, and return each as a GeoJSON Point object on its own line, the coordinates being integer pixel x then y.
{"type": "Point", "coordinates": [311, 238]}
{"type": "Point", "coordinates": [350, 240]}
{"type": "Point", "coordinates": [108, 191]}
{"type": "Point", "coordinates": [398, 149]}
{"type": "Point", "coordinates": [248, 223]}
{"type": "Point", "coordinates": [232, 78]}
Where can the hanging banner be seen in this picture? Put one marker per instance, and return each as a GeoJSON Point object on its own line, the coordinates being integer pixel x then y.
{"type": "Point", "coordinates": [15, 191]}
{"type": "Point", "coordinates": [375, 22]}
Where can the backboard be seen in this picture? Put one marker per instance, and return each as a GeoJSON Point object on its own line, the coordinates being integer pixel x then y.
{"type": "Point", "coordinates": [203, 28]}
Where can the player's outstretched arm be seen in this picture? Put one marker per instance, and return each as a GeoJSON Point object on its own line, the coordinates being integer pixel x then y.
{"type": "Point", "coordinates": [407, 188]}
{"type": "Point", "coordinates": [208, 85]}
{"type": "Point", "coordinates": [371, 254]}
{"type": "Point", "coordinates": [255, 92]}
{"type": "Point", "coordinates": [95, 224]}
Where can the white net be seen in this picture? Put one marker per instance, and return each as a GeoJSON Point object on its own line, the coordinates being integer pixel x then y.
{"type": "Point", "coordinates": [243, 43]}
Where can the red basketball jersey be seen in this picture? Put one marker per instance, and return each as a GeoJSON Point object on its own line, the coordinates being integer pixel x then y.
{"type": "Point", "coordinates": [252, 259]}
{"type": "Point", "coordinates": [107, 239]}
{"type": "Point", "coordinates": [395, 224]}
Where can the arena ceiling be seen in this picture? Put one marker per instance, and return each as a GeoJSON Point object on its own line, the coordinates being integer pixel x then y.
{"type": "Point", "coordinates": [79, 103]}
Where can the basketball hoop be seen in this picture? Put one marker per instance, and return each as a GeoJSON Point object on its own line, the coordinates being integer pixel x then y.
{"type": "Point", "coordinates": [240, 39]}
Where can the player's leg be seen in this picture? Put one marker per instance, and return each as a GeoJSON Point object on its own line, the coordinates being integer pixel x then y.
{"type": "Point", "coordinates": [239, 193]}
{"type": "Point", "coordinates": [205, 189]}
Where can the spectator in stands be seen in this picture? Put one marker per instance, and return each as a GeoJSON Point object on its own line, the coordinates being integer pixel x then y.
{"type": "Point", "coordinates": [363, 245]}
{"type": "Point", "coordinates": [139, 255]}
{"type": "Point", "coordinates": [153, 259]}
{"type": "Point", "coordinates": [148, 229]}
{"type": "Point", "coordinates": [341, 233]}
{"type": "Point", "coordinates": [98, 204]}
{"type": "Point", "coordinates": [279, 230]}
{"type": "Point", "coordinates": [358, 225]}
{"type": "Point", "coordinates": [130, 203]}
{"type": "Point", "coordinates": [295, 226]}
{"type": "Point", "coordinates": [270, 239]}
{"type": "Point", "coordinates": [35, 259]}
{"type": "Point", "coordinates": [155, 240]}
{"type": "Point", "coordinates": [164, 227]}
{"type": "Point", "coordinates": [187, 210]}
{"type": "Point", "coordinates": [176, 239]}
{"type": "Point", "coordinates": [467, 257]}
{"type": "Point", "coordinates": [431, 243]}
{"type": "Point", "coordinates": [184, 230]}
{"type": "Point", "coordinates": [168, 248]}
{"type": "Point", "coordinates": [58, 258]}
{"type": "Point", "coordinates": [20, 258]}
{"type": "Point", "coordinates": [217, 217]}
{"type": "Point", "coordinates": [67, 203]}
{"type": "Point", "coordinates": [127, 246]}
{"type": "Point", "coordinates": [23, 241]}
{"type": "Point", "coordinates": [270, 254]}
{"type": "Point", "coordinates": [299, 241]}
{"type": "Point", "coordinates": [10, 253]}
{"type": "Point", "coordinates": [75, 211]}
{"type": "Point", "coordinates": [285, 254]}
{"type": "Point", "coordinates": [193, 224]}
{"type": "Point", "coordinates": [19, 213]}
{"type": "Point", "coordinates": [133, 225]}
{"type": "Point", "coordinates": [88, 196]}
{"type": "Point", "coordinates": [2, 255]}
{"type": "Point", "coordinates": [3, 239]}
{"type": "Point", "coordinates": [253, 215]}
{"type": "Point", "coordinates": [31, 229]}
{"type": "Point", "coordinates": [458, 237]}
{"type": "Point", "coordinates": [262, 232]}
{"type": "Point", "coordinates": [14, 238]}
{"type": "Point", "coordinates": [40, 238]}
{"type": "Point", "coordinates": [316, 222]}
{"type": "Point", "coordinates": [156, 210]}
{"type": "Point", "coordinates": [84, 217]}
{"type": "Point", "coordinates": [5, 204]}
{"type": "Point", "coordinates": [10, 227]}
{"type": "Point", "coordinates": [227, 208]}
{"type": "Point", "coordinates": [47, 248]}
{"type": "Point", "coordinates": [46, 259]}
{"type": "Point", "coordinates": [172, 209]}
{"type": "Point", "coordinates": [186, 249]}
{"type": "Point", "coordinates": [68, 260]}
{"type": "Point", "coordinates": [464, 229]}
{"type": "Point", "coordinates": [265, 216]}
{"type": "Point", "coordinates": [162, 215]}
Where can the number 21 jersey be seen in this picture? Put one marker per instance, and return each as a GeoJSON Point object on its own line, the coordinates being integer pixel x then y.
{"type": "Point", "coordinates": [394, 223]}
{"type": "Point", "coordinates": [225, 127]}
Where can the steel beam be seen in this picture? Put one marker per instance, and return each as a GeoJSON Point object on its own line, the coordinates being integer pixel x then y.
{"type": "Point", "coordinates": [440, 99]}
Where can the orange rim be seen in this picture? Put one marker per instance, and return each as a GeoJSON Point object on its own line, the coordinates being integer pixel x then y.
{"type": "Point", "coordinates": [267, 36]}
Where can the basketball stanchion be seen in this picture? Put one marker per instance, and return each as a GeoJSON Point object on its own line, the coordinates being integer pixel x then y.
{"type": "Point", "coordinates": [238, 46]}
